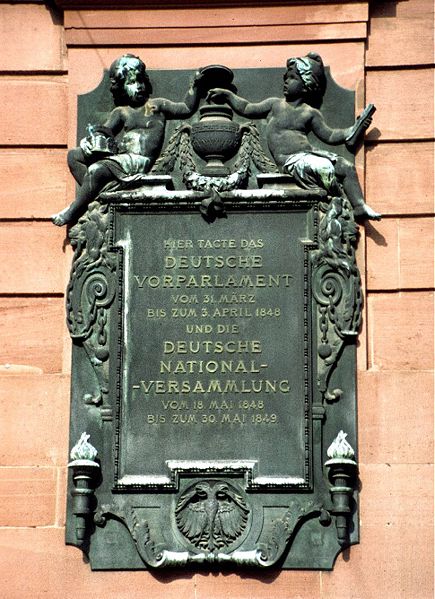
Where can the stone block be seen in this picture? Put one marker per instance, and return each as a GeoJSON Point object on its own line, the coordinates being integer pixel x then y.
{"type": "Point", "coordinates": [404, 101]}
{"type": "Point", "coordinates": [264, 585]}
{"type": "Point", "coordinates": [416, 245]}
{"type": "Point", "coordinates": [33, 182]}
{"type": "Point", "coordinates": [32, 258]}
{"type": "Point", "coordinates": [34, 423]}
{"type": "Point", "coordinates": [204, 36]}
{"type": "Point", "coordinates": [61, 495]}
{"type": "Point", "coordinates": [395, 417]}
{"type": "Point", "coordinates": [399, 177]}
{"type": "Point", "coordinates": [401, 34]}
{"type": "Point", "coordinates": [31, 329]}
{"type": "Point", "coordinates": [227, 16]}
{"type": "Point", "coordinates": [400, 254]}
{"type": "Point", "coordinates": [32, 38]}
{"type": "Point", "coordinates": [34, 110]}
{"type": "Point", "coordinates": [400, 330]}
{"type": "Point", "coordinates": [27, 496]}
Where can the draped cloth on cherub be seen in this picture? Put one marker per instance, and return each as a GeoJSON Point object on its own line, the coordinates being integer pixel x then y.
{"type": "Point", "coordinates": [127, 169]}
{"type": "Point", "coordinates": [312, 169]}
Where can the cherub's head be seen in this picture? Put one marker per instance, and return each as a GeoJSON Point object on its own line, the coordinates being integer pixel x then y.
{"type": "Point", "coordinates": [129, 81]}
{"type": "Point", "coordinates": [305, 78]}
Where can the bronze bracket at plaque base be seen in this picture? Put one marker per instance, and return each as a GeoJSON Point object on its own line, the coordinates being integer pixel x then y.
{"type": "Point", "coordinates": [214, 305]}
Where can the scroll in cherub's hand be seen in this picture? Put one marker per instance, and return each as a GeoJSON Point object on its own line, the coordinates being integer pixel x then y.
{"type": "Point", "coordinates": [366, 122]}
{"type": "Point", "coordinates": [362, 123]}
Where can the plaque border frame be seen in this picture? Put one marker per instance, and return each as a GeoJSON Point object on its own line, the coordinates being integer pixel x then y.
{"type": "Point", "coordinates": [231, 468]}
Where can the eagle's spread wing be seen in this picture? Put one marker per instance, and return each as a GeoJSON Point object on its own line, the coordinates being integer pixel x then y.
{"type": "Point", "coordinates": [231, 517]}
{"type": "Point", "coordinates": [192, 520]}
{"type": "Point", "coordinates": [191, 513]}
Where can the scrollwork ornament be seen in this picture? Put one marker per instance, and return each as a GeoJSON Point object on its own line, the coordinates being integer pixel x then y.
{"type": "Point", "coordinates": [153, 555]}
{"type": "Point", "coordinates": [90, 292]}
{"type": "Point", "coordinates": [328, 286]}
{"type": "Point", "coordinates": [336, 287]}
{"type": "Point", "coordinates": [271, 551]}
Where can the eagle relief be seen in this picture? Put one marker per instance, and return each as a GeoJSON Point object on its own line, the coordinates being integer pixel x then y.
{"type": "Point", "coordinates": [211, 515]}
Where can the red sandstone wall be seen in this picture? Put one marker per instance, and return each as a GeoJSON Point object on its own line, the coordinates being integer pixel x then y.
{"type": "Point", "coordinates": [38, 87]}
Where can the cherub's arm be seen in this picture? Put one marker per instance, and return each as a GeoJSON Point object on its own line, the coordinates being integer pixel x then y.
{"type": "Point", "coordinates": [325, 133]}
{"type": "Point", "coordinates": [110, 128]}
{"type": "Point", "coordinates": [114, 123]}
{"type": "Point", "coordinates": [334, 136]}
{"type": "Point", "coordinates": [183, 109]}
{"type": "Point", "coordinates": [240, 105]}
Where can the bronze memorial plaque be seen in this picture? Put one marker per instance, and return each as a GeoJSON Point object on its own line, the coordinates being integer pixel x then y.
{"type": "Point", "coordinates": [214, 305]}
{"type": "Point", "coordinates": [201, 371]}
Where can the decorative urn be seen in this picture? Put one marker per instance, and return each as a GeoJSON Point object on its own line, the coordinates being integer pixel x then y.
{"type": "Point", "coordinates": [216, 137]}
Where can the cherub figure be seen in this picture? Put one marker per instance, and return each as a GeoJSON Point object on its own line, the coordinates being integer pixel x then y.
{"type": "Point", "coordinates": [101, 159]}
{"type": "Point", "coordinates": [290, 119]}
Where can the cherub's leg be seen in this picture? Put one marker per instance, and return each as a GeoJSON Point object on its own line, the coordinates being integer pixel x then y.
{"type": "Point", "coordinates": [78, 164]}
{"type": "Point", "coordinates": [346, 175]}
{"type": "Point", "coordinates": [93, 182]}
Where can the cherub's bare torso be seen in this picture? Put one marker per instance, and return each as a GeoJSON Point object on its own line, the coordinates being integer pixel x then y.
{"type": "Point", "coordinates": [287, 128]}
{"type": "Point", "coordinates": [143, 129]}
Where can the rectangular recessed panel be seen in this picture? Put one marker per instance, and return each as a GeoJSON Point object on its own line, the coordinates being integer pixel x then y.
{"type": "Point", "coordinates": [214, 342]}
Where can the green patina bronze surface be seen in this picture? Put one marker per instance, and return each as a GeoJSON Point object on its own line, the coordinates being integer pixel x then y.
{"type": "Point", "coordinates": [214, 306]}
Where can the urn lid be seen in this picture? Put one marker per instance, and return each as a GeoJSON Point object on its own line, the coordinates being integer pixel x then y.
{"type": "Point", "coordinates": [217, 75]}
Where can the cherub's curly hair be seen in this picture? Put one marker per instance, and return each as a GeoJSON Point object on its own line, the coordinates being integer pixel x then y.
{"type": "Point", "coordinates": [128, 68]}
{"type": "Point", "coordinates": [312, 72]}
